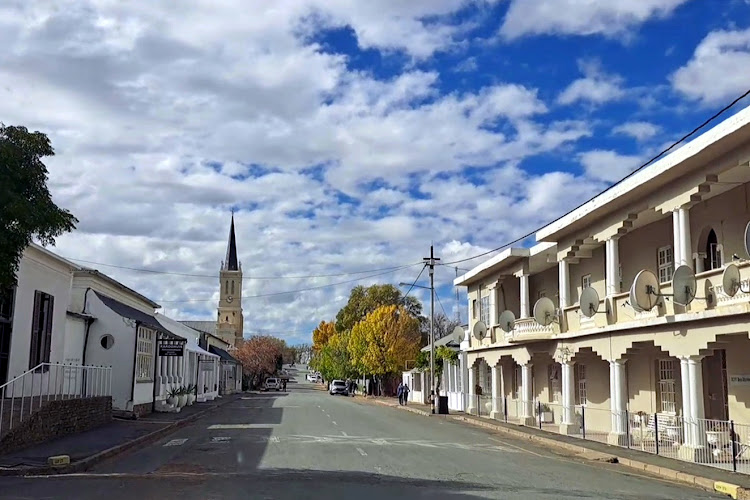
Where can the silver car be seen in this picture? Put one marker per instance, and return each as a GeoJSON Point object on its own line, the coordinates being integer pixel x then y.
{"type": "Point", "coordinates": [338, 387]}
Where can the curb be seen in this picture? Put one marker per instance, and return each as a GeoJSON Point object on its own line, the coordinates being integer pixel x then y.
{"type": "Point", "coordinates": [85, 463]}
{"type": "Point", "coordinates": [733, 490]}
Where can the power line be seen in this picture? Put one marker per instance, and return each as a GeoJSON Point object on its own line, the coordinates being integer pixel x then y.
{"type": "Point", "coordinates": [415, 281]}
{"type": "Point", "coordinates": [273, 294]}
{"type": "Point", "coordinates": [441, 306]}
{"type": "Point", "coordinates": [682, 139]}
{"type": "Point", "coordinates": [214, 276]}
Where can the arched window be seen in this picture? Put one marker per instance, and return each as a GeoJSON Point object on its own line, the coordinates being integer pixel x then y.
{"type": "Point", "coordinates": [226, 287]}
{"type": "Point", "coordinates": [713, 252]}
{"type": "Point", "coordinates": [232, 287]}
{"type": "Point", "coordinates": [227, 319]}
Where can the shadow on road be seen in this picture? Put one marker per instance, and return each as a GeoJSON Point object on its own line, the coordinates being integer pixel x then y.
{"type": "Point", "coordinates": [272, 483]}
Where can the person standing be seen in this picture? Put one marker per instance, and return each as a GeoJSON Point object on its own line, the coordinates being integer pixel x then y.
{"type": "Point", "coordinates": [406, 394]}
{"type": "Point", "coordinates": [283, 384]}
{"type": "Point", "coordinates": [400, 393]}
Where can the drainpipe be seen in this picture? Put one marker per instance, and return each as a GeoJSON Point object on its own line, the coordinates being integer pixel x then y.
{"type": "Point", "coordinates": [88, 326]}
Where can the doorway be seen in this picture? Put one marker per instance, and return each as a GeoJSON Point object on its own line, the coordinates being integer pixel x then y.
{"type": "Point", "coordinates": [716, 400]}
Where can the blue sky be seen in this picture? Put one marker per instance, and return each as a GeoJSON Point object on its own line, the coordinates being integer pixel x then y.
{"type": "Point", "coordinates": [348, 135]}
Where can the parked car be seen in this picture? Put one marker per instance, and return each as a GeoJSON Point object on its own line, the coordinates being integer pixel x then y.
{"type": "Point", "coordinates": [311, 377]}
{"type": "Point", "coordinates": [271, 384]}
{"type": "Point", "coordinates": [338, 387]}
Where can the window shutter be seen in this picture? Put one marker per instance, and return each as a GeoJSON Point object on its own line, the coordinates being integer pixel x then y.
{"type": "Point", "coordinates": [35, 327]}
{"type": "Point", "coordinates": [47, 346]}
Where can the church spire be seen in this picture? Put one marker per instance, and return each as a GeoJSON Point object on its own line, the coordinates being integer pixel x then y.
{"type": "Point", "coordinates": [230, 264]}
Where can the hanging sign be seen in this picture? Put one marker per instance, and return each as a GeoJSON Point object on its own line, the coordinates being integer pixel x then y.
{"type": "Point", "coordinates": [168, 350]}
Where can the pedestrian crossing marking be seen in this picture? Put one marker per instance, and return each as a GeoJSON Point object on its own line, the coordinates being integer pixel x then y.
{"type": "Point", "coordinates": [275, 439]}
{"type": "Point", "coordinates": [362, 452]}
{"type": "Point", "coordinates": [238, 426]}
{"type": "Point", "coordinates": [220, 439]}
{"type": "Point", "coordinates": [175, 442]}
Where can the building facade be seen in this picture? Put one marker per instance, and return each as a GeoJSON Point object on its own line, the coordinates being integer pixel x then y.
{"type": "Point", "coordinates": [619, 361]}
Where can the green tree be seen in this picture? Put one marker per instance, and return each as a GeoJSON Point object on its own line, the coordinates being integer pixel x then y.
{"type": "Point", "coordinates": [383, 342]}
{"type": "Point", "coordinates": [332, 360]}
{"type": "Point", "coordinates": [26, 207]}
{"type": "Point", "coordinates": [364, 300]}
{"type": "Point", "coordinates": [324, 331]}
{"type": "Point", "coordinates": [442, 353]}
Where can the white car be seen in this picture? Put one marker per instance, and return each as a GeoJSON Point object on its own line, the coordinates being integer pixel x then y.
{"type": "Point", "coordinates": [338, 387]}
{"type": "Point", "coordinates": [272, 384]}
{"type": "Point", "coordinates": [311, 377]}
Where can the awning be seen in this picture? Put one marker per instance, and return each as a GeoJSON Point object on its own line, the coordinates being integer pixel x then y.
{"type": "Point", "coordinates": [224, 355]}
{"type": "Point", "coordinates": [141, 317]}
{"type": "Point", "coordinates": [184, 332]}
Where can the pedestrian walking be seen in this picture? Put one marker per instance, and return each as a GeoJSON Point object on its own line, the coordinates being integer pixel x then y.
{"type": "Point", "coordinates": [406, 394]}
{"type": "Point", "coordinates": [400, 393]}
{"type": "Point", "coordinates": [354, 387]}
{"type": "Point", "coordinates": [283, 384]}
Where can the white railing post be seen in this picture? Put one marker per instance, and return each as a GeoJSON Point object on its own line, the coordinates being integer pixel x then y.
{"type": "Point", "coordinates": [23, 392]}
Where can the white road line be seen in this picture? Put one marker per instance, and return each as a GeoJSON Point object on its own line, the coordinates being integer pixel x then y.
{"type": "Point", "coordinates": [239, 426]}
{"type": "Point", "coordinates": [362, 452]}
{"type": "Point", "coordinates": [334, 422]}
{"type": "Point", "coordinates": [220, 439]}
{"type": "Point", "coordinates": [175, 442]}
{"type": "Point", "coordinates": [344, 434]}
{"type": "Point", "coordinates": [379, 470]}
{"type": "Point", "coordinates": [275, 439]}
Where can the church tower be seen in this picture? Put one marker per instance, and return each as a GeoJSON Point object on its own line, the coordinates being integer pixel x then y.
{"type": "Point", "coordinates": [229, 322]}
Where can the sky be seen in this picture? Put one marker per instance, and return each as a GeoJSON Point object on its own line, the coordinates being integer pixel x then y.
{"type": "Point", "coordinates": [348, 136]}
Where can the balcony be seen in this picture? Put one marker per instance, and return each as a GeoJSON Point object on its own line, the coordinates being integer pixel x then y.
{"type": "Point", "coordinates": [528, 329]}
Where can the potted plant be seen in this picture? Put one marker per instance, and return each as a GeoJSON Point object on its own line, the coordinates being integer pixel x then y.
{"type": "Point", "coordinates": [182, 398]}
{"type": "Point", "coordinates": [547, 415]}
{"type": "Point", "coordinates": [172, 396]}
{"type": "Point", "coordinates": [191, 394]}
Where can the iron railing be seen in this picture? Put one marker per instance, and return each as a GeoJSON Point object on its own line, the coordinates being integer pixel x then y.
{"type": "Point", "coordinates": [21, 396]}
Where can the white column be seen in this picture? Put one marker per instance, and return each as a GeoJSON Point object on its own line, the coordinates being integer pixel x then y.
{"type": "Point", "coordinates": [568, 393]}
{"type": "Point", "coordinates": [676, 237]}
{"type": "Point", "coordinates": [612, 257]}
{"type": "Point", "coordinates": [686, 400]}
{"type": "Point", "coordinates": [526, 393]}
{"type": "Point", "coordinates": [496, 394]}
{"type": "Point", "coordinates": [698, 260]}
{"type": "Point", "coordinates": [472, 403]}
{"type": "Point", "coordinates": [563, 269]}
{"type": "Point", "coordinates": [493, 306]}
{"type": "Point", "coordinates": [697, 411]}
{"type": "Point", "coordinates": [685, 239]}
{"type": "Point", "coordinates": [618, 400]}
{"type": "Point", "coordinates": [524, 280]}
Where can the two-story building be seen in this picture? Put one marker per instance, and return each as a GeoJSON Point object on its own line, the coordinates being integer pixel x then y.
{"type": "Point", "coordinates": [621, 365]}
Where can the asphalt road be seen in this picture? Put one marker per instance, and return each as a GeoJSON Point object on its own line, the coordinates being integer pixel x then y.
{"type": "Point", "coordinates": [307, 444]}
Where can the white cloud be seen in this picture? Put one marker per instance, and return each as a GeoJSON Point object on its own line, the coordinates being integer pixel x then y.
{"type": "Point", "coordinates": [159, 129]}
{"type": "Point", "coordinates": [638, 130]}
{"type": "Point", "coordinates": [606, 165]}
{"type": "Point", "coordinates": [719, 69]}
{"type": "Point", "coordinates": [581, 17]}
{"type": "Point", "coordinates": [596, 87]}
{"type": "Point", "coordinates": [468, 65]}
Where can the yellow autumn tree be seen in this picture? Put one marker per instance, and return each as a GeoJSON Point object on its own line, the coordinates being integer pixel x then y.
{"type": "Point", "coordinates": [324, 331]}
{"type": "Point", "coordinates": [384, 340]}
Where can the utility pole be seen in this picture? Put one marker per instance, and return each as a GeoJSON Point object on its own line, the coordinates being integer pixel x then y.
{"type": "Point", "coordinates": [430, 261]}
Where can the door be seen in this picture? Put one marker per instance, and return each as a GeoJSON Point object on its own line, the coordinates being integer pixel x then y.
{"type": "Point", "coordinates": [7, 299]}
{"type": "Point", "coordinates": [715, 386]}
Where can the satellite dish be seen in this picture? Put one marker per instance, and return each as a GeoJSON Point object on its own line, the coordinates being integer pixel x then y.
{"type": "Point", "coordinates": [730, 280]}
{"type": "Point", "coordinates": [644, 294]}
{"type": "Point", "coordinates": [544, 311]}
{"type": "Point", "coordinates": [479, 330]}
{"type": "Point", "coordinates": [458, 334]}
{"type": "Point", "coordinates": [684, 285]}
{"type": "Point", "coordinates": [747, 239]}
{"type": "Point", "coordinates": [589, 302]}
{"type": "Point", "coordinates": [507, 321]}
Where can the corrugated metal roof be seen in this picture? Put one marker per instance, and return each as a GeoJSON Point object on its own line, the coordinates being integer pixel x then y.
{"type": "Point", "coordinates": [126, 311]}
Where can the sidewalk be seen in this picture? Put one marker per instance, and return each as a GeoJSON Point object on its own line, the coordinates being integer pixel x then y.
{"type": "Point", "coordinates": [89, 447]}
{"type": "Point", "coordinates": [710, 478]}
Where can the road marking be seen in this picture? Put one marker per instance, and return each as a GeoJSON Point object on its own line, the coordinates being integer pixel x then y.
{"type": "Point", "coordinates": [334, 422]}
{"type": "Point", "coordinates": [175, 442]}
{"type": "Point", "coordinates": [362, 452]}
{"type": "Point", "coordinates": [379, 470]}
{"type": "Point", "coordinates": [344, 434]}
{"type": "Point", "coordinates": [220, 439]}
{"type": "Point", "coordinates": [239, 426]}
{"type": "Point", "coordinates": [275, 439]}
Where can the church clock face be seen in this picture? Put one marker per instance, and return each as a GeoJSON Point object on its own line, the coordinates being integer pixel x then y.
{"type": "Point", "coordinates": [230, 298]}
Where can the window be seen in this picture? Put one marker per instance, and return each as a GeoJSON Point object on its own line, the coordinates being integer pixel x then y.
{"type": "Point", "coordinates": [107, 341]}
{"type": "Point", "coordinates": [488, 380]}
{"type": "Point", "coordinates": [713, 252]}
{"type": "Point", "coordinates": [226, 287]}
{"type": "Point", "coordinates": [474, 310]}
{"type": "Point", "coordinates": [517, 382]}
{"type": "Point", "coordinates": [144, 355]}
{"type": "Point", "coordinates": [580, 375]}
{"type": "Point", "coordinates": [585, 281]}
{"type": "Point", "coordinates": [484, 310]}
{"type": "Point", "coordinates": [667, 397]}
{"type": "Point", "coordinates": [232, 287]}
{"type": "Point", "coordinates": [665, 263]}
{"type": "Point", "coordinates": [555, 383]}
{"type": "Point", "coordinates": [41, 328]}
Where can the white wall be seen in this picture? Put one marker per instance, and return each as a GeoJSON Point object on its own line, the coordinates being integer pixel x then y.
{"type": "Point", "coordinates": [120, 356]}
{"type": "Point", "coordinates": [38, 271]}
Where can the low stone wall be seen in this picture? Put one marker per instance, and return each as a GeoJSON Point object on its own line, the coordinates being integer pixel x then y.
{"type": "Point", "coordinates": [56, 419]}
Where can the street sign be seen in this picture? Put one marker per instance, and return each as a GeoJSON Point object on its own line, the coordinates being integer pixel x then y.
{"type": "Point", "coordinates": [168, 350]}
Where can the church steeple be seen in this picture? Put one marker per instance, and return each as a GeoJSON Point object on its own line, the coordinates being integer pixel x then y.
{"type": "Point", "coordinates": [231, 264]}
